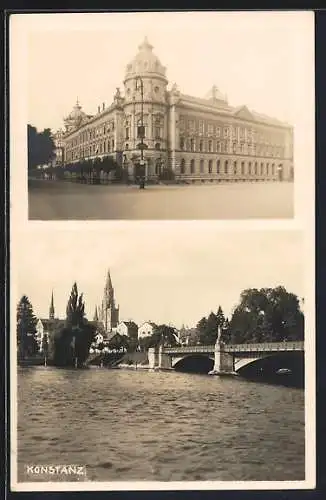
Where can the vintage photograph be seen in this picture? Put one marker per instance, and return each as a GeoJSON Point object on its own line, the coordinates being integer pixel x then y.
{"type": "Point", "coordinates": [163, 115]}
{"type": "Point", "coordinates": [161, 251]}
{"type": "Point", "coordinates": [171, 367]}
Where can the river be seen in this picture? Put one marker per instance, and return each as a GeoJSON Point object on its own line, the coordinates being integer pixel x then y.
{"type": "Point", "coordinates": [158, 426]}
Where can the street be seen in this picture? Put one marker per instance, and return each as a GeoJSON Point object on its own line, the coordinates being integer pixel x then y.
{"type": "Point", "coordinates": [59, 200]}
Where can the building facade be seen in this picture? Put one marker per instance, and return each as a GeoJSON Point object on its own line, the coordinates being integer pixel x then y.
{"type": "Point", "coordinates": [199, 139]}
{"type": "Point", "coordinates": [128, 329]}
{"type": "Point", "coordinates": [46, 327]}
{"type": "Point", "coordinates": [146, 329]}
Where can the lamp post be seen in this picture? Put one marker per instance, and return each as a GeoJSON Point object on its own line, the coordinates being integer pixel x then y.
{"type": "Point", "coordinates": [141, 130]}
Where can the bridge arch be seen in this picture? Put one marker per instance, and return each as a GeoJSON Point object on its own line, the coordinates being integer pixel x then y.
{"type": "Point", "coordinates": [269, 363]}
{"type": "Point", "coordinates": [196, 363]}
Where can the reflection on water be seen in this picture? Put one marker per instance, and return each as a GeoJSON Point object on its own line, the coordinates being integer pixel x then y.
{"type": "Point", "coordinates": [127, 425]}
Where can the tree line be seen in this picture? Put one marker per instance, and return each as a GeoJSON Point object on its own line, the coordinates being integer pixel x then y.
{"type": "Point", "coordinates": [262, 315]}
{"type": "Point", "coordinates": [40, 147]}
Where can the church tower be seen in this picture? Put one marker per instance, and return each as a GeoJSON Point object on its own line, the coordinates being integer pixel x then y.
{"type": "Point", "coordinates": [51, 308]}
{"type": "Point", "coordinates": [109, 312]}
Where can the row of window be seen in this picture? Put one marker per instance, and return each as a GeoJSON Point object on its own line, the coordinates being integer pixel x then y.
{"type": "Point", "coordinates": [92, 133]}
{"type": "Point", "coordinates": [228, 167]}
{"type": "Point", "coordinates": [211, 146]}
{"type": "Point", "coordinates": [227, 131]}
{"type": "Point", "coordinates": [157, 131]}
{"type": "Point", "coordinates": [103, 147]}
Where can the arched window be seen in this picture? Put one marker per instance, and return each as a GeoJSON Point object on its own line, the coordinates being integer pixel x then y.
{"type": "Point", "coordinates": [267, 168]}
{"type": "Point", "coordinates": [242, 168]}
{"type": "Point", "coordinates": [210, 166]}
{"type": "Point", "coordinates": [218, 163]}
{"type": "Point", "coordinates": [192, 145]}
{"type": "Point", "coordinates": [226, 167]}
{"type": "Point", "coordinates": [127, 133]}
{"type": "Point", "coordinates": [235, 168]}
{"type": "Point", "coordinates": [200, 145]}
{"type": "Point", "coordinates": [182, 143]}
{"type": "Point", "coordinates": [112, 142]}
{"type": "Point", "coordinates": [192, 166]}
{"type": "Point", "coordinates": [273, 169]}
{"type": "Point", "coordinates": [182, 166]}
{"type": "Point", "coordinates": [261, 169]}
{"type": "Point", "coordinates": [256, 168]}
{"type": "Point", "coordinates": [249, 168]}
{"type": "Point", "coordinates": [157, 146]}
{"type": "Point", "coordinates": [210, 146]}
{"type": "Point", "coordinates": [201, 166]}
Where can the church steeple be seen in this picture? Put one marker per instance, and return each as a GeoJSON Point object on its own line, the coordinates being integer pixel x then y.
{"type": "Point", "coordinates": [51, 308]}
{"type": "Point", "coordinates": [95, 314]}
{"type": "Point", "coordinates": [109, 311]}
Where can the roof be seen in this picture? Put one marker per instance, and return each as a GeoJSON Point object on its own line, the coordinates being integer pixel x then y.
{"type": "Point", "coordinates": [148, 323]}
{"type": "Point", "coordinates": [130, 324]}
{"type": "Point", "coordinates": [218, 105]}
{"type": "Point", "coordinates": [48, 324]}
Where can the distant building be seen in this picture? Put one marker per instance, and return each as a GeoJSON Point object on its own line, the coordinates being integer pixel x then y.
{"type": "Point", "coordinates": [128, 328]}
{"type": "Point", "coordinates": [146, 329]}
{"type": "Point", "coordinates": [46, 327]}
{"type": "Point", "coordinates": [199, 139]}
{"type": "Point", "coordinates": [108, 313]}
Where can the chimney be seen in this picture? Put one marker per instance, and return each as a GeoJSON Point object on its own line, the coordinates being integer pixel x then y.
{"type": "Point", "coordinates": [103, 106]}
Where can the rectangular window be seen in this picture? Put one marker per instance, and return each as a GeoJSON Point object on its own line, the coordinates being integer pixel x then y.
{"type": "Point", "coordinates": [218, 131]}
{"type": "Point", "coordinates": [201, 127]}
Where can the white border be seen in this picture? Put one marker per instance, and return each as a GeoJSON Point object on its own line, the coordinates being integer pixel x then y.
{"type": "Point", "coordinates": [304, 221]}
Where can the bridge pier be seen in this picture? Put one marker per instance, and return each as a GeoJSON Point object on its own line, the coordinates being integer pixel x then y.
{"type": "Point", "coordinates": [158, 359]}
{"type": "Point", "coordinates": [223, 361]}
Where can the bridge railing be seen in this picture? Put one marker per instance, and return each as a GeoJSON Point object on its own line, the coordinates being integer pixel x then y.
{"type": "Point", "coordinates": [259, 347]}
{"type": "Point", "coordinates": [266, 346]}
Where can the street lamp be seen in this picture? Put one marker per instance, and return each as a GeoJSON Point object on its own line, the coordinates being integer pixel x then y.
{"type": "Point", "coordinates": [141, 130]}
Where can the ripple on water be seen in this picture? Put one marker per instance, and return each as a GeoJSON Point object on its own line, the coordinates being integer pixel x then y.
{"type": "Point", "coordinates": [135, 426]}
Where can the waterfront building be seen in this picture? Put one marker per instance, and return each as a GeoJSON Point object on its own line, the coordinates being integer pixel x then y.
{"type": "Point", "coordinates": [146, 329]}
{"type": "Point", "coordinates": [128, 329]}
{"type": "Point", "coordinates": [198, 139]}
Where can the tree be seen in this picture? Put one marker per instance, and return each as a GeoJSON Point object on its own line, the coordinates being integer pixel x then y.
{"type": "Point", "coordinates": [267, 315]}
{"type": "Point", "coordinates": [26, 329]}
{"type": "Point", "coordinates": [75, 310]}
{"type": "Point", "coordinates": [40, 146]}
{"type": "Point", "coordinates": [72, 343]}
{"type": "Point", "coordinates": [165, 335]}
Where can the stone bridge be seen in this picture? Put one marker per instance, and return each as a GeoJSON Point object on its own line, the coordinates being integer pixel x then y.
{"type": "Point", "coordinates": [227, 358]}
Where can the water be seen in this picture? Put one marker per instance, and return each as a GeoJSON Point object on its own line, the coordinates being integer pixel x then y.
{"type": "Point", "coordinates": [161, 426]}
{"type": "Point", "coordinates": [67, 200]}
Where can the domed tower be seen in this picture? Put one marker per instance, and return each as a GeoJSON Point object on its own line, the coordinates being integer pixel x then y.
{"type": "Point", "coordinates": [76, 118]}
{"type": "Point", "coordinates": [145, 103]}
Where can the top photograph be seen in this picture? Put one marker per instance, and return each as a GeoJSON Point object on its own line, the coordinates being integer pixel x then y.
{"type": "Point", "coordinates": [162, 116]}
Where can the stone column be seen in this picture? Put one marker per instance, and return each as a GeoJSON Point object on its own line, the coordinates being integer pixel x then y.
{"type": "Point", "coordinates": [223, 361]}
{"type": "Point", "coordinates": [152, 358]}
{"type": "Point", "coordinates": [164, 360]}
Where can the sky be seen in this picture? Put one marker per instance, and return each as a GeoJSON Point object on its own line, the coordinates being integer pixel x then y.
{"type": "Point", "coordinates": [256, 58]}
{"type": "Point", "coordinates": [167, 273]}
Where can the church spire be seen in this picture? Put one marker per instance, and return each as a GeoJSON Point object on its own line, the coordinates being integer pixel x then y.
{"type": "Point", "coordinates": [51, 308]}
{"type": "Point", "coordinates": [95, 314]}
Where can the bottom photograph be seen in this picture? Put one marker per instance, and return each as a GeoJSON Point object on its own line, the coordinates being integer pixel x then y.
{"type": "Point", "coordinates": [156, 355]}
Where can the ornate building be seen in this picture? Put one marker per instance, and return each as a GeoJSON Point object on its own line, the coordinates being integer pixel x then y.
{"type": "Point", "coordinates": [108, 313]}
{"type": "Point", "coordinates": [199, 139]}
